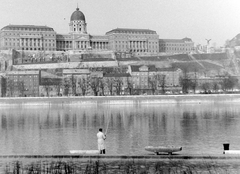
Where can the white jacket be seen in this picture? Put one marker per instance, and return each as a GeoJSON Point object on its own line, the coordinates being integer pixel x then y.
{"type": "Point", "coordinates": [101, 137]}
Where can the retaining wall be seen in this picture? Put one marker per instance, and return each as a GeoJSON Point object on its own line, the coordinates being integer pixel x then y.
{"type": "Point", "coordinates": [123, 100]}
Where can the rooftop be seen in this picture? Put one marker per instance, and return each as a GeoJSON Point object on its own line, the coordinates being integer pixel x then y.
{"type": "Point", "coordinates": [97, 59]}
{"type": "Point", "coordinates": [18, 27]}
{"type": "Point", "coordinates": [176, 40]}
{"type": "Point", "coordinates": [128, 30]}
{"type": "Point", "coordinates": [117, 75]}
{"type": "Point", "coordinates": [45, 74]}
{"type": "Point", "coordinates": [136, 68]}
{"type": "Point", "coordinates": [22, 73]}
{"type": "Point", "coordinates": [76, 71]}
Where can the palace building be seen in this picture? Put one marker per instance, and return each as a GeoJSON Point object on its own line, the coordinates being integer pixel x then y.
{"type": "Point", "coordinates": [137, 41]}
{"type": "Point", "coordinates": [176, 46]}
{"type": "Point", "coordinates": [27, 37]}
{"type": "Point", "coordinates": [44, 38]}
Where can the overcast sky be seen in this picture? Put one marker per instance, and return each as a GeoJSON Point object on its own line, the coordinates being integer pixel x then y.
{"type": "Point", "coordinates": [199, 20]}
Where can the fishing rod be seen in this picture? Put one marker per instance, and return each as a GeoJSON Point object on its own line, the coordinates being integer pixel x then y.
{"type": "Point", "coordinates": [107, 124]}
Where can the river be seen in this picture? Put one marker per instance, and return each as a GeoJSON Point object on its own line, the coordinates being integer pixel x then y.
{"type": "Point", "coordinates": [200, 128]}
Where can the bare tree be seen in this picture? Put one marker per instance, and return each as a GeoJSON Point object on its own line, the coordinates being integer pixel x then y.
{"type": "Point", "coordinates": [73, 85]}
{"type": "Point", "coordinates": [21, 88]}
{"type": "Point", "coordinates": [102, 85]}
{"type": "Point", "coordinates": [194, 82]}
{"type": "Point", "coordinates": [47, 89]}
{"type": "Point", "coordinates": [47, 85]}
{"type": "Point", "coordinates": [83, 84]}
{"type": "Point", "coordinates": [94, 84]}
{"type": "Point", "coordinates": [4, 87]}
{"type": "Point", "coordinates": [153, 83]}
{"type": "Point", "coordinates": [110, 84]}
{"type": "Point", "coordinates": [161, 79]}
{"type": "Point", "coordinates": [10, 87]}
{"type": "Point", "coordinates": [66, 86]}
{"type": "Point", "coordinates": [215, 86]}
{"type": "Point", "coordinates": [58, 87]}
{"type": "Point", "coordinates": [229, 82]}
{"type": "Point", "coordinates": [130, 85]}
{"type": "Point", "coordinates": [206, 87]}
{"type": "Point", "coordinates": [118, 83]}
{"type": "Point", "coordinates": [185, 81]}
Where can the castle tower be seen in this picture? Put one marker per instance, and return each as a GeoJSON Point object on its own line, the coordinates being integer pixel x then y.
{"type": "Point", "coordinates": [77, 23]}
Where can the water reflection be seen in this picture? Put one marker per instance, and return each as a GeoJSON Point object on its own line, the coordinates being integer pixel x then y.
{"type": "Point", "coordinates": [200, 129]}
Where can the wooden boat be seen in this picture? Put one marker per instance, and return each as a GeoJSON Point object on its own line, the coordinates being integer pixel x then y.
{"type": "Point", "coordinates": [82, 152]}
{"type": "Point", "coordinates": [163, 149]}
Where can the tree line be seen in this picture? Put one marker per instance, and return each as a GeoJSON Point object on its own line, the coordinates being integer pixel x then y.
{"type": "Point", "coordinates": [119, 85]}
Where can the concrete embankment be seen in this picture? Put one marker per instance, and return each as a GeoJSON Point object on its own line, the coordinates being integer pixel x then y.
{"type": "Point", "coordinates": [146, 156]}
{"type": "Point", "coordinates": [119, 164]}
{"type": "Point", "coordinates": [123, 100]}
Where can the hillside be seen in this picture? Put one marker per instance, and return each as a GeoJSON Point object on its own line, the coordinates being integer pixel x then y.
{"type": "Point", "coordinates": [227, 61]}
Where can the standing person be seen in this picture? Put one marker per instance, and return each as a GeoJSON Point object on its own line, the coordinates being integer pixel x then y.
{"type": "Point", "coordinates": [101, 138]}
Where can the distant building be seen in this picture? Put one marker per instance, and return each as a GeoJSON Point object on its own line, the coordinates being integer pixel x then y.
{"type": "Point", "coordinates": [50, 84]}
{"type": "Point", "coordinates": [176, 46]}
{"type": "Point", "coordinates": [78, 39]}
{"type": "Point", "coordinates": [171, 76]}
{"type": "Point", "coordinates": [44, 38]}
{"type": "Point", "coordinates": [140, 75]}
{"type": "Point", "coordinates": [22, 83]}
{"type": "Point", "coordinates": [137, 41]}
{"type": "Point", "coordinates": [27, 37]}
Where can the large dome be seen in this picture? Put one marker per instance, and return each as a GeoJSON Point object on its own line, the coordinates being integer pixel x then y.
{"type": "Point", "coordinates": [77, 16]}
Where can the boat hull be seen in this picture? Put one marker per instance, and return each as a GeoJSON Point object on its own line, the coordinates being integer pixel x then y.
{"type": "Point", "coordinates": [163, 149]}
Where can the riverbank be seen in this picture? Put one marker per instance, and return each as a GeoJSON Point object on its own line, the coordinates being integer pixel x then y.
{"type": "Point", "coordinates": [124, 157]}
{"type": "Point", "coordinates": [125, 164]}
{"type": "Point", "coordinates": [123, 100]}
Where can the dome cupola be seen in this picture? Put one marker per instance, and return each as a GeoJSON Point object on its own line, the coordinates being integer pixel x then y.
{"type": "Point", "coordinates": [77, 22]}
{"type": "Point", "coordinates": [77, 16]}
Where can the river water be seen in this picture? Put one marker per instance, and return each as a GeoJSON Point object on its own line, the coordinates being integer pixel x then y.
{"type": "Point", "coordinates": [56, 129]}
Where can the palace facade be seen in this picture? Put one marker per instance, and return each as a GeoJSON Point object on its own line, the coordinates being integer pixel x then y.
{"type": "Point", "coordinates": [27, 37]}
{"type": "Point", "coordinates": [176, 46]}
{"type": "Point", "coordinates": [44, 38]}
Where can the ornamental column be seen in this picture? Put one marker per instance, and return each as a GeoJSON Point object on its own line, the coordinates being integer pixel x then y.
{"type": "Point", "coordinates": [20, 43]}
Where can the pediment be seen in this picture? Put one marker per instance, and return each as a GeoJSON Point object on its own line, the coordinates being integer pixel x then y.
{"type": "Point", "coordinates": [82, 38]}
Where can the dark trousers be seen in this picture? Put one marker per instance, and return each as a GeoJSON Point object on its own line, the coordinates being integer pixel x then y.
{"type": "Point", "coordinates": [102, 151]}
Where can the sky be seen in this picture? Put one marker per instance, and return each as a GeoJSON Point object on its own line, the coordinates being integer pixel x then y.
{"type": "Point", "coordinates": [218, 20]}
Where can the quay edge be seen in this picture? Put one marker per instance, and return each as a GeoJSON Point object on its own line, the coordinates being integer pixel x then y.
{"type": "Point", "coordinates": [122, 100]}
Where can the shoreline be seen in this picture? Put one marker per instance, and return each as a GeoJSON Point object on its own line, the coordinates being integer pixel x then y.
{"type": "Point", "coordinates": [103, 164]}
{"type": "Point", "coordinates": [123, 100]}
{"type": "Point", "coordinates": [122, 157]}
